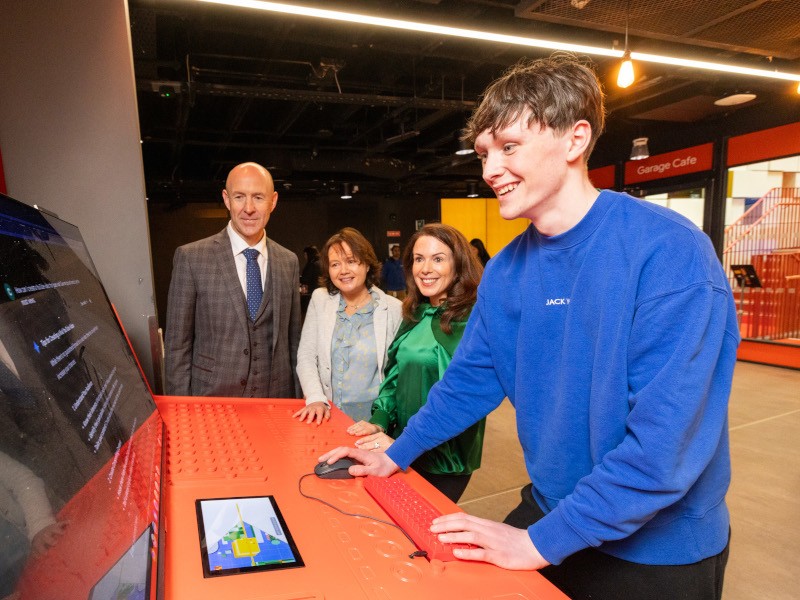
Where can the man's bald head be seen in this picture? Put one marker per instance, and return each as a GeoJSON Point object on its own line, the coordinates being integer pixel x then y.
{"type": "Point", "coordinates": [250, 167]}
{"type": "Point", "coordinates": [250, 197]}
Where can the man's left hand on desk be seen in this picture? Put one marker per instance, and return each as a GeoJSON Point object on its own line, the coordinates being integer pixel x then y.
{"type": "Point", "coordinates": [497, 543]}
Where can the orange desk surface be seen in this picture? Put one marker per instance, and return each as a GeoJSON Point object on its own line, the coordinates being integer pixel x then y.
{"type": "Point", "coordinates": [225, 447]}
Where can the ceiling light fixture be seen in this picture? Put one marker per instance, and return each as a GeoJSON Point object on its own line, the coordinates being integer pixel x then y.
{"type": "Point", "coordinates": [472, 189]}
{"type": "Point", "coordinates": [626, 76]}
{"type": "Point", "coordinates": [464, 148]}
{"type": "Point", "coordinates": [473, 34]}
{"type": "Point", "coordinates": [346, 192]}
{"type": "Point", "coordinates": [640, 151]}
{"type": "Point", "coordinates": [735, 99]}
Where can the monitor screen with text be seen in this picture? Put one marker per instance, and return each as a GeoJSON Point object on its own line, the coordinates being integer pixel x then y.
{"type": "Point", "coordinates": [81, 442]}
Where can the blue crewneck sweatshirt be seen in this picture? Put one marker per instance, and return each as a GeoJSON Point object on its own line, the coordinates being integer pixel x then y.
{"type": "Point", "coordinates": [616, 342]}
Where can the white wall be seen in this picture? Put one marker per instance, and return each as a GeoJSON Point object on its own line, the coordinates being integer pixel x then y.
{"type": "Point", "coordinates": [734, 208]}
{"type": "Point", "coordinates": [69, 136]}
{"type": "Point", "coordinates": [754, 184]}
{"type": "Point", "coordinates": [691, 208]}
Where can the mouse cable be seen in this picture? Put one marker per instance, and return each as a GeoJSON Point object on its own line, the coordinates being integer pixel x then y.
{"type": "Point", "coordinates": [359, 516]}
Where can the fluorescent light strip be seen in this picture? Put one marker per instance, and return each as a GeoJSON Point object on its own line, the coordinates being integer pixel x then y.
{"type": "Point", "coordinates": [335, 15]}
{"type": "Point", "coordinates": [473, 34]}
{"type": "Point", "coordinates": [710, 66]}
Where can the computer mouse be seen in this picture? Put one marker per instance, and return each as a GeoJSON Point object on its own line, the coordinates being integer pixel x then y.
{"type": "Point", "coordinates": [337, 470]}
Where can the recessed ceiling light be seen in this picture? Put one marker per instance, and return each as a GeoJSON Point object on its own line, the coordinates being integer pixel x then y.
{"type": "Point", "coordinates": [735, 99]}
{"type": "Point", "coordinates": [464, 148]}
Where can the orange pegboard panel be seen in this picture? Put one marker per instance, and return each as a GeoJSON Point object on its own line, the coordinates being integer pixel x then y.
{"type": "Point", "coordinates": [345, 558]}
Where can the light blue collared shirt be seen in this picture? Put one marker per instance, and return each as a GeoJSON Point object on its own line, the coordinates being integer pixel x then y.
{"type": "Point", "coordinates": [355, 379]}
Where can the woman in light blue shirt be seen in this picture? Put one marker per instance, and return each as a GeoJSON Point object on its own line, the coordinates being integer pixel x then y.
{"type": "Point", "coordinates": [348, 328]}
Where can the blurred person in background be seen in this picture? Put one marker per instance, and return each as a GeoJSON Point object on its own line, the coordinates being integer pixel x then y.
{"type": "Point", "coordinates": [309, 277]}
{"type": "Point", "coordinates": [394, 279]}
{"type": "Point", "coordinates": [479, 250]}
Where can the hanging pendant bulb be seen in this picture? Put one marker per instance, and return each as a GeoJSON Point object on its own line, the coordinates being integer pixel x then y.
{"type": "Point", "coordinates": [626, 76]}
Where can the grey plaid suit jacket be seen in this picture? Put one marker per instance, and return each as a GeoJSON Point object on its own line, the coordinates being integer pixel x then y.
{"type": "Point", "coordinates": [207, 346]}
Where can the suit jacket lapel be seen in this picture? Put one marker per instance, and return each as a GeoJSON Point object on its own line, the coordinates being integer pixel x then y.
{"type": "Point", "coordinates": [230, 277]}
{"type": "Point", "coordinates": [275, 273]}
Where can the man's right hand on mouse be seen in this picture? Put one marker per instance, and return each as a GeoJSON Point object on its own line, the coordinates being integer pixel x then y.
{"type": "Point", "coordinates": [372, 463]}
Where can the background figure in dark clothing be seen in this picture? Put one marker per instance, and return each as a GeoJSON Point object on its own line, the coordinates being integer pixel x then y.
{"type": "Point", "coordinates": [309, 278]}
{"type": "Point", "coordinates": [479, 250]}
{"type": "Point", "coordinates": [394, 279]}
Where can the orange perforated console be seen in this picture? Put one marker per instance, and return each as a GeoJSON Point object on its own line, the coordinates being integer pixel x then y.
{"type": "Point", "coordinates": [241, 448]}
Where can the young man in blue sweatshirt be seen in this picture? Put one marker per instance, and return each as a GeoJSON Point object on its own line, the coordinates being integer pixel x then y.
{"type": "Point", "coordinates": [610, 326]}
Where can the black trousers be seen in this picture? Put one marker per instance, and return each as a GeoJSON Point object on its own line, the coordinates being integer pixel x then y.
{"type": "Point", "coordinates": [451, 486]}
{"type": "Point", "coordinates": [593, 575]}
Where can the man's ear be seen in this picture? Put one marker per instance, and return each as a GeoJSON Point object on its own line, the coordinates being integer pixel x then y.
{"type": "Point", "coordinates": [580, 138]}
{"type": "Point", "coordinates": [274, 201]}
{"type": "Point", "coordinates": [226, 200]}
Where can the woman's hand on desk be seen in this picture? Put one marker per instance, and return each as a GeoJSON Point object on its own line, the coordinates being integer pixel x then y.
{"type": "Point", "coordinates": [363, 428]}
{"type": "Point", "coordinates": [377, 442]}
{"type": "Point", "coordinates": [316, 412]}
{"type": "Point", "coordinates": [372, 463]}
{"type": "Point", "coordinates": [499, 544]}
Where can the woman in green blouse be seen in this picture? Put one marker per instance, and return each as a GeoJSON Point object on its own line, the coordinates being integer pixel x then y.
{"type": "Point", "coordinates": [442, 278]}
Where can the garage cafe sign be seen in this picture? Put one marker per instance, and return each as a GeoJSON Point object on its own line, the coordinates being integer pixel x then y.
{"type": "Point", "coordinates": [670, 164]}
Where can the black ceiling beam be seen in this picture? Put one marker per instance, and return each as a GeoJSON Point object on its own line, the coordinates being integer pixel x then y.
{"type": "Point", "coordinates": [286, 95]}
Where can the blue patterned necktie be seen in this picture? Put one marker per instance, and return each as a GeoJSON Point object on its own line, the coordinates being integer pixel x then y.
{"type": "Point", "coordinates": [254, 290]}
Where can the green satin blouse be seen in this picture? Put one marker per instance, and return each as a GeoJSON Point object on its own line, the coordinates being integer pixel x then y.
{"type": "Point", "coordinates": [416, 360]}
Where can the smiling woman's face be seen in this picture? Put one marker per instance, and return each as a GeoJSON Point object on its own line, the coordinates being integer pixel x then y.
{"type": "Point", "coordinates": [433, 268]}
{"type": "Point", "coordinates": [347, 273]}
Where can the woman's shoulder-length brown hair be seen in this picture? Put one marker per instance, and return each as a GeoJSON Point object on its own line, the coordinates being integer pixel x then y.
{"type": "Point", "coordinates": [463, 292]}
{"type": "Point", "coordinates": [362, 251]}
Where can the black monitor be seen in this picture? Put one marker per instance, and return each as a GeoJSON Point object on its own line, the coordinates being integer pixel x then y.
{"type": "Point", "coordinates": [81, 441]}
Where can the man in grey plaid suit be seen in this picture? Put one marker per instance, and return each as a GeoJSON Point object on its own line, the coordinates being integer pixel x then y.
{"type": "Point", "coordinates": [223, 337]}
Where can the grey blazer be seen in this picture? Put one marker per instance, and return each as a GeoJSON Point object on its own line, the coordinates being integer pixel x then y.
{"type": "Point", "coordinates": [314, 354]}
{"type": "Point", "coordinates": [208, 346]}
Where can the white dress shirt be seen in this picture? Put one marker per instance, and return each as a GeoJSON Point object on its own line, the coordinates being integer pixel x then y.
{"type": "Point", "coordinates": [238, 245]}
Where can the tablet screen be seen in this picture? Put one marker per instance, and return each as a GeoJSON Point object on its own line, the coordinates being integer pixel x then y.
{"type": "Point", "coordinates": [240, 535]}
